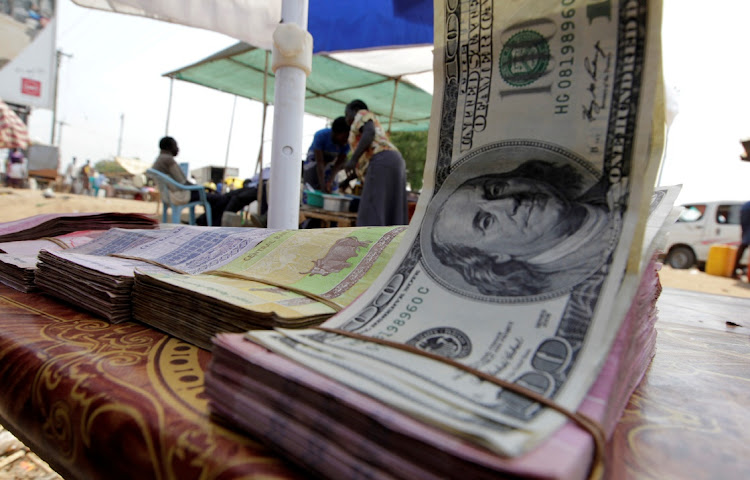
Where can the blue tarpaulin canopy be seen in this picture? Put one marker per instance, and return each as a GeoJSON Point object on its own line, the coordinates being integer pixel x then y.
{"type": "Point", "coordinates": [352, 25]}
{"type": "Point", "coordinates": [336, 25]}
{"type": "Point", "coordinates": [417, 11]}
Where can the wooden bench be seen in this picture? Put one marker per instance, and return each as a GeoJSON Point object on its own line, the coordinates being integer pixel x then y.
{"type": "Point", "coordinates": [342, 219]}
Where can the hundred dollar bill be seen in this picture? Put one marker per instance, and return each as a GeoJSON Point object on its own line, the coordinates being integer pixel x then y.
{"type": "Point", "coordinates": [637, 257]}
{"type": "Point", "coordinates": [540, 169]}
{"type": "Point", "coordinates": [662, 213]}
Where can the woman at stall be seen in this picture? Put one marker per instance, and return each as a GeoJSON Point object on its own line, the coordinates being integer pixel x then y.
{"type": "Point", "coordinates": [380, 167]}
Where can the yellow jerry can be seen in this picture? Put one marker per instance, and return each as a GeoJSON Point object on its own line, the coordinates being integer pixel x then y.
{"type": "Point", "coordinates": [721, 260]}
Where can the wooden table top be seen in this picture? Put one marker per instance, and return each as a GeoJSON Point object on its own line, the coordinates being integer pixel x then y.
{"type": "Point", "coordinates": [690, 416]}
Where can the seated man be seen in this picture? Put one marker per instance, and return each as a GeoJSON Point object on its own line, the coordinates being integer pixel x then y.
{"type": "Point", "coordinates": [234, 201]}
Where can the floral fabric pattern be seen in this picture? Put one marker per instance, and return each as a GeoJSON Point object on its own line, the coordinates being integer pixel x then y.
{"type": "Point", "coordinates": [379, 144]}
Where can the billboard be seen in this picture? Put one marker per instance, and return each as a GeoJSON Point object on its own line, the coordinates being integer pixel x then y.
{"type": "Point", "coordinates": [27, 52]}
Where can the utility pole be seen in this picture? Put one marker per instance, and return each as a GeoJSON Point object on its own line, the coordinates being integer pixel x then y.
{"type": "Point", "coordinates": [59, 55]}
{"type": "Point", "coordinates": [229, 141]}
{"type": "Point", "coordinates": [61, 124]}
{"type": "Point", "coordinates": [122, 127]}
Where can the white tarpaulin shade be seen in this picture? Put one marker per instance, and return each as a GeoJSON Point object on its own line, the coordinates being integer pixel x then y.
{"type": "Point", "coordinates": [134, 166]}
{"type": "Point", "coordinates": [411, 64]}
{"type": "Point", "coordinates": [250, 20]}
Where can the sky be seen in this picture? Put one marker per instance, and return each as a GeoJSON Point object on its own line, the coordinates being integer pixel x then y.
{"type": "Point", "coordinates": [118, 61]}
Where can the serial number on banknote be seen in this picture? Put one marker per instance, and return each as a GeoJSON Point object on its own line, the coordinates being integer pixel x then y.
{"type": "Point", "coordinates": [406, 314]}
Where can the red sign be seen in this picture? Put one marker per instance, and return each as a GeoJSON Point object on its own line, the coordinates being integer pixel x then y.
{"type": "Point", "coordinates": [31, 87]}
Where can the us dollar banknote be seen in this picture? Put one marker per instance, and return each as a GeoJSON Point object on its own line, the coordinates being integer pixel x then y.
{"type": "Point", "coordinates": [515, 262]}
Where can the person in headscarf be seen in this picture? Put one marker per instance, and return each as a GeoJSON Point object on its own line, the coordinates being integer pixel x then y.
{"type": "Point", "coordinates": [380, 167]}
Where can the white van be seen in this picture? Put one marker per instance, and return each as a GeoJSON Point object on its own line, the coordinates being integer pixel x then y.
{"type": "Point", "coordinates": [700, 226]}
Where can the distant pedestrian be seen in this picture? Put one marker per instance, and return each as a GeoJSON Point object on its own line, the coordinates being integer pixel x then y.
{"type": "Point", "coordinates": [15, 168]}
{"type": "Point", "coordinates": [69, 178]}
{"type": "Point", "coordinates": [109, 190]}
{"type": "Point", "coordinates": [94, 182]}
{"type": "Point", "coordinates": [84, 175]}
{"type": "Point", "coordinates": [745, 241]}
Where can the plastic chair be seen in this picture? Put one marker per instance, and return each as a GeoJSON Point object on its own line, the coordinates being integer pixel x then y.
{"type": "Point", "coordinates": [163, 180]}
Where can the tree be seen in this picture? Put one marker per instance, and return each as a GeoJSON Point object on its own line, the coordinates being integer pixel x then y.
{"type": "Point", "coordinates": [109, 167]}
{"type": "Point", "coordinates": [413, 147]}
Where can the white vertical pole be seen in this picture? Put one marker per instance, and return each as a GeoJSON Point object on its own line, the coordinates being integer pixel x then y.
{"type": "Point", "coordinates": [259, 164]}
{"type": "Point", "coordinates": [286, 149]}
{"type": "Point", "coordinates": [122, 128]}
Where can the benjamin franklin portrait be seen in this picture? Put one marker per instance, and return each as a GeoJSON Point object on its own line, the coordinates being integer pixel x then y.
{"type": "Point", "coordinates": [518, 221]}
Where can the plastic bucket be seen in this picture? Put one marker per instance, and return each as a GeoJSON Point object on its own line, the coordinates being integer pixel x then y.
{"type": "Point", "coordinates": [314, 199]}
{"type": "Point", "coordinates": [721, 260]}
{"type": "Point", "coordinates": [336, 203]}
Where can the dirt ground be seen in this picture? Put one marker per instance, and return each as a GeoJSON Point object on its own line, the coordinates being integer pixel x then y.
{"type": "Point", "coordinates": [17, 462]}
{"type": "Point", "coordinates": [698, 281]}
{"type": "Point", "coordinates": [22, 203]}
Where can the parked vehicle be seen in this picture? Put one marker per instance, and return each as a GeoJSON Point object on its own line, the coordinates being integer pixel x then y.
{"type": "Point", "coordinates": [700, 226]}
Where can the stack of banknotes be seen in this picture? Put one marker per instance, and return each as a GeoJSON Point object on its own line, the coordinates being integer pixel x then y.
{"type": "Point", "coordinates": [338, 432]}
{"type": "Point", "coordinates": [18, 259]}
{"type": "Point", "coordinates": [55, 224]}
{"type": "Point", "coordinates": [292, 279]}
{"type": "Point", "coordinates": [521, 300]}
{"type": "Point", "coordinates": [99, 275]}
{"type": "Point", "coordinates": [23, 239]}
{"type": "Point", "coordinates": [194, 282]}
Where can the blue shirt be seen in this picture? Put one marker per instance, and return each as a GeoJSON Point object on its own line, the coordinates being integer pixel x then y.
{"type": "Point", "coordinates": [323, 140]}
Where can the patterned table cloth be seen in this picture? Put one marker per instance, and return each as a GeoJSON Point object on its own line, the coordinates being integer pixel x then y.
{"type": "Point", "coordinates": [101, 401]}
